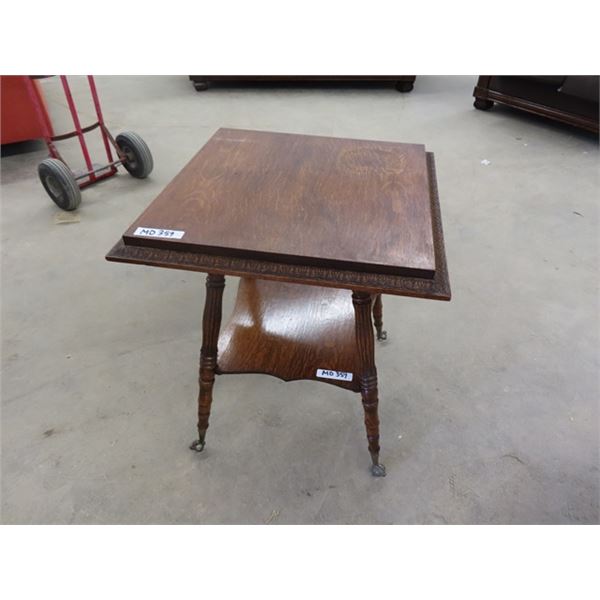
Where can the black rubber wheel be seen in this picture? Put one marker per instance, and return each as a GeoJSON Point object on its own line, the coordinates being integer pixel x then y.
{"type": "Point", "coordinates": [482, 104]}
{"type": "Point", "coordinates": [201, 86]}
{"type": "Point", "coordinates": [138, 160]}
{"type": "Point", "coordinates": [60, 183]}
{"type": "Point", "coordinates": [404, 86]}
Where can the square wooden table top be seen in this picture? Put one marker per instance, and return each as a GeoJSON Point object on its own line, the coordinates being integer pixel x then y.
{"type": "Point", "coordinates": [342, 213]}
{"type": "Point", "coordinates": [301, 200]}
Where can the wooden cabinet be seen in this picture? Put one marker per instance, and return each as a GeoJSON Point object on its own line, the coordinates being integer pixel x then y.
{"type": "Point", "coordinates": [404, 83]}
{"type": "Point", "coordinates": [570, 99]}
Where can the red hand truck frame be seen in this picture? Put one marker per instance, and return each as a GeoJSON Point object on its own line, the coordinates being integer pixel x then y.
{"type": "Point", "coordinates": [131, 151]}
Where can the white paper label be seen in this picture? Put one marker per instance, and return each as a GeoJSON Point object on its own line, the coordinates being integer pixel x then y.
{"type": "Point", "coordinates": [169, 234]}
{"type": "Point", "coordinates": [334, 374]}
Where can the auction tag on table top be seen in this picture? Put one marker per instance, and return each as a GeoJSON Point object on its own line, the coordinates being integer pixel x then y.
{"type": "Point", "coordinates": [334, 374]}
{"type": "Point", "coordinates": [169, 234]}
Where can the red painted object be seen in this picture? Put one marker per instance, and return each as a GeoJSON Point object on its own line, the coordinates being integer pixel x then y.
{"type": "Point", "coordinates": [60, 182]}
{"type": "Point", "coordinates": [91, 175]}
{"type": "Point", "coordinates": [22, 118]}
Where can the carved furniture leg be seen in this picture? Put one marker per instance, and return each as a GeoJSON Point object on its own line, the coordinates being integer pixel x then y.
{"type": "Point", "coordinates": [368, 375]}
{"type": "Point", "coordinates": [211, 323]}
{"type": "Point", "coordinates": [378, 318]}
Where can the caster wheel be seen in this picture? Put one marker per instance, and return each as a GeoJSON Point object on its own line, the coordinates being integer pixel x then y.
{"type": "Point", "coordinates": [404, 86]}
{"type": "Point", "coordinates": [138, 160]}
{"type": "Point", "coordinates": [483, 104]}
{"type": "Point", "coordinates": [60, 183]}
{"type": "Point", "coordinates": [200, 86]}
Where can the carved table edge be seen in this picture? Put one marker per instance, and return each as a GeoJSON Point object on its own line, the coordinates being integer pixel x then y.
{"type": "Point", "coordinates": [437, 288]}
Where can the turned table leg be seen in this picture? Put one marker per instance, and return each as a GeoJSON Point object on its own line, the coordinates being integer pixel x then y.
{"type": "Point", "coordinates": [368, 375]}
{"type": "Point", "coordinates": [211, 323]}
{"type": "Point", "coordinates": [378, 318]}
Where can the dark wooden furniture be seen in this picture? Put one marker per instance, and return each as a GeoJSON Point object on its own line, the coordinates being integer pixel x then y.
{"type": "Point", "coordinates": [317, 228]}
{"type": "Point", "coordinates": [404, 83]}
{"type": "Point", "coordinates": [570, 99]}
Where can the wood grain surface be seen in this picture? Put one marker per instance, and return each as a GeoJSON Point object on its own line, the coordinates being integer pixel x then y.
{"type": "Point", "coordinates": [289, 331]}
{"type": "Point", "coordinates": [303, 200]}
{"type": "Point", "coordinates": [437, 288]}
{"type": "Point", "coordinates": [317, 228]}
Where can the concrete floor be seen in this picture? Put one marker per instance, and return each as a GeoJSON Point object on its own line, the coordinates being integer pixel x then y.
{"type": "Point", "coordinates": [488, 404]}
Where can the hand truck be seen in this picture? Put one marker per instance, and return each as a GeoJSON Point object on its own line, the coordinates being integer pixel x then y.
{"type": "Point", "coordinates": [64, 185]}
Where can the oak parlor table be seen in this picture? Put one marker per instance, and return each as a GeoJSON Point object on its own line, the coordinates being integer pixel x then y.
{"type": "Point", "coordinates": [317, 228]}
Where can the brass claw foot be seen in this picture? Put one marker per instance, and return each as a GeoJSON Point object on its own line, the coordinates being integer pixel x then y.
{"type": "Point", "coordinates": [197, 445]}
{"type": "Point", "coordinates": [377, 470]}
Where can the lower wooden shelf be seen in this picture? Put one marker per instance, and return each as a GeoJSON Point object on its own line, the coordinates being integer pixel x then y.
{"type": "Point", "coordinates": [289, 331]}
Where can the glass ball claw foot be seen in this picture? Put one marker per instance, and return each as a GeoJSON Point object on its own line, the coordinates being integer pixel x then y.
{"type": "Point", "coordinates": [381, 335]}
{"type": "Point", "coordinates": [377, 470]}
{"type": "Point", "coordinates": [197, 445]}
